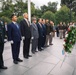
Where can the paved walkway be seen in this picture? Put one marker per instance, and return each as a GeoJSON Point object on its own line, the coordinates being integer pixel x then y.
{"type": "Point", "coordinates": [47, 62]}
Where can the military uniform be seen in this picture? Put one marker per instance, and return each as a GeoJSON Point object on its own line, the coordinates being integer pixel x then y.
{"type": "Point", "coordinates": [2, 36]}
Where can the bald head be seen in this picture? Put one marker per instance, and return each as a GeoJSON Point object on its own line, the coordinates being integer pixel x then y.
{"type": "Point", "coordinates": [25, 15]}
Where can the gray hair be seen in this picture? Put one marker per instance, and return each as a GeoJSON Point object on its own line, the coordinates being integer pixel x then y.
{"type": "Point", "coordinates": [24, 14]}
{"type": "Point", "coordinates": [33, 18]}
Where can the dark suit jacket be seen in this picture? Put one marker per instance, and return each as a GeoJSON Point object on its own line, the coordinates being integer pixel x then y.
{"type": "Point", "coordinates": [40, 30]}
{"type": "Point", "coordinates": [60, 27]}
{"type": "Point", "coordinates": [25, 29]}
{"type": "Point", "coordinates": [14, 32]}
{"type": "Point", "coordinates": [48, 27]}
{"type": "Point", "coordinates": [44, 29]}
{"type": "Point", "coordinates": [2, 32]}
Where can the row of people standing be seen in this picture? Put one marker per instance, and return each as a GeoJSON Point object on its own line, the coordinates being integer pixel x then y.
{"type": "Point", "coordinates": [61, 29]}
{"type": "Point", "coordinates": [39, 33]}
{"type": "Point", "coordinates": [2, 37]}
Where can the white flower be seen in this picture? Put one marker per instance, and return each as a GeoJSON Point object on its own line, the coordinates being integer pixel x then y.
{"type": "Point", "coordinates": [63, 43]}
{"type": "Point", "coordinates": [66, 35]}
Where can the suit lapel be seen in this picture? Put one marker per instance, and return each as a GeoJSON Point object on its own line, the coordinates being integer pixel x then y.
{"type": "Point", "coordinates": [34, 26]}
{"type": "Point", "coordinates": [14, 25]}
{"type": "Point", "coordinates": [26, 23]}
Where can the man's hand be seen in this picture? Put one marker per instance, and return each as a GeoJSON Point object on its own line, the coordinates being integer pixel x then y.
{"type": "Point", "coordinates": [5, 40]}
{"type": "Point", "coordinates": [11, 42]}
{"type": "Point", "coordinates": [32, 38]}
{"type": "Point", "coordinates": [23, 38]}
{"type": "Point", "coordinates": [50, 33]}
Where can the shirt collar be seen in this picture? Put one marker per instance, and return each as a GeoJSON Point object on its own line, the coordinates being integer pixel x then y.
{"type": "Point", "coordinates": [25, 19]}
{"type": "Point", "coordinates": [14, 22]}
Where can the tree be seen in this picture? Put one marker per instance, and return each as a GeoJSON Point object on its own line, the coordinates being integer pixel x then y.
{"type": "Point", "coordinates": [65, 2]}
{"type": "Point", "coordinates": [49, 15]}
{"type": "Point", "coordinates": [44, 8]}
{"type": "Point", "coordinates": [51, 6]}
{"type": "Point", "coordinates": [7, 8]}
{"type": "Point", "coordinates": [63, 15]}
{"type": "Point", "coordinates": [70, 4]}
{"type": "Point", "coordinates": [32, 9]}
{"type": "Point", "coordinates": [38, 13]}
{"type": "Point", "coordinates": [5, 19]}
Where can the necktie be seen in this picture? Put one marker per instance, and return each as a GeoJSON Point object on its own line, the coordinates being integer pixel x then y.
{"type": "Point", "coordinates": [28, 23]}
{"type": "Point", "coordinates": [40, 25]}
{"type": "Point", "coordinates": [17, 25]}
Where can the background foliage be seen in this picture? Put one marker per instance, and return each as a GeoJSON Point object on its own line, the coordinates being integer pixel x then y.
{"type": "Point", "coordinates": [46, 11]}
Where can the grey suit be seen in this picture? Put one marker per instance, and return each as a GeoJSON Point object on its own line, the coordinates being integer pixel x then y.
{"type": "Point", "coordinates": [35, 35]}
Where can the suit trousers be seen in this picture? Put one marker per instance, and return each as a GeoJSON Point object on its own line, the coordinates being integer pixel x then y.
{"type": "Point", "coordinates": [64, 33]}
{"type": "Point", "coordinates": [1, 54]}
{"type": "Point", "coordinates": [49, 39]}
{"type": "Point", "coordinates": [57, 33]}
{"type": "Point", "coordinates": [40, 42]}
{"type": "Point", "coordinates": [61, 33]}
{"type": "Point", "coordinates": [44, 40]}
{"type": "Point", "coordinates": [26, 47]}
{"type": "Point", "coordinates": [34, 44]}
{"type": "Point", "coordinates": [15, 50]}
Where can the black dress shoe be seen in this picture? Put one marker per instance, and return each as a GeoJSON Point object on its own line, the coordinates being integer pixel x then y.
{"type": "Point", "coordinates": [51, 44]}
{"type": "Point", "coordinates": [42, 48]}
{"type": "Point", "coordinates": [26, 57]}
{"type": "Point", "coordinates": [36, 51]}
{"type": "Point", "coordinates": [19, 60]}
{"type": "Point", "coordinates": [39, 50]}
{"type": "Point", "coordinates": [33, 52]}
{"type": "Point", "coordinates": [29, 55]}
{"type": "Point", "coordinates": [15, 62]}
{"type": "Point", "coordinates": [3, 67]}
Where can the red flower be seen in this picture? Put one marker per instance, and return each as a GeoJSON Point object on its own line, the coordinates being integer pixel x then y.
{"type": "Point", "coordinates": [65, 40]}
{"type": "Point", "coordinates": [70, 42]}
{"type": "Point", "coordinates": [69, 29]}
{"type": "Point", "coordinates": [64, 46]}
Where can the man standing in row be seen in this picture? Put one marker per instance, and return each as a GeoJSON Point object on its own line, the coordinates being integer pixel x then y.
{"type": "Point", "coordinates": [14, 37]}
{"type": "Point", "coordinates": [47, 32]}
{"type": "Point", "coordinates": [35, 35]}
{"type": "Point", "coordinates": [44, 33]}
{"type": "Point", "coordinates": [26, 35]}
{"type": "Point", "coordinates": [51, 32]}
{"type": "Point", "coordinates": [2, 36]}
{"type": "Point", "coordinates": [40, 31]}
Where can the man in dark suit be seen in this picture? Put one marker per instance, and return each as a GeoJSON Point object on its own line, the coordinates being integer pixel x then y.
{"type": "Point", "coordinates": [44, 32]}
{"type": "Point", "coordinates": [26, 35]}
{"type": "Point", "coordinates": [40, 30]}
{"type": "Point", "coordinates": [14, 37]}
{"type": "Point", "coordinates": [2, 36]}
{"type": "Point", "coordinates": [57, 30]}
{"type": "Point", "coordinates": [35, 35]}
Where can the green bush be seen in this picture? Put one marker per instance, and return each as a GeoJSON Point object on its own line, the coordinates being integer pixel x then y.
{"type": "Point", "coordinates": [49, 15]}
{"type": "Point", "coordinates": [63, 15]}
{"type": "Point", "coordinates": [5, 19]}
{"type": "Point", "coordinates": [20, 18]}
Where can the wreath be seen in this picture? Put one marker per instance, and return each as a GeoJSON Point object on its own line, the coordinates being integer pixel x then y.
{"type": "Point", "coordinates": [70, 39]}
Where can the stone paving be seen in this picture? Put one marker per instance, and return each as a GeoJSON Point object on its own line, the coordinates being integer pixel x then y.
{"type": "Point", "coordinates": [47, 62]}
